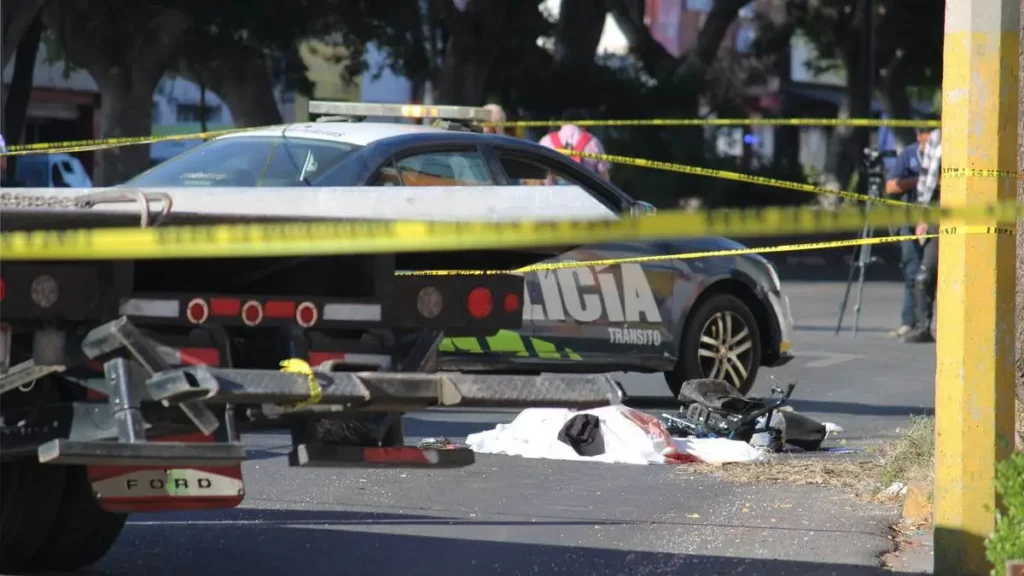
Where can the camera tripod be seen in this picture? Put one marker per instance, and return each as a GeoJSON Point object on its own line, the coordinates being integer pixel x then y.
{"type": "Point", "coordinates": [862, 256]}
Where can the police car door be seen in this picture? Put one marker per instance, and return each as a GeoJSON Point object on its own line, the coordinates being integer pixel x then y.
{"type": "Point", "coordinates": [593, 312]}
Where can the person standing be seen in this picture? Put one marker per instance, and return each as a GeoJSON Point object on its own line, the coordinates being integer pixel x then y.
{"type": "Point", "coordinates": [499, 118]}
{"type": "Point", "coordinates": [572, 137]}
{"type": "Point", "coordinates": [926, 280]}
{"type": "Point", "coordinates": [902, 185]}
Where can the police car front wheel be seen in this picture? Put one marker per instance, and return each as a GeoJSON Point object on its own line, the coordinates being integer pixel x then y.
{"type": "Point", "coordinates": [720, 341]}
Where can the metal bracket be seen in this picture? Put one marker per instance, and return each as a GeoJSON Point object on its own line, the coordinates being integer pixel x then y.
{"type": "Point", "coordinates": [79, 421]}
{"type": "Point", "coordinates": [26, 373]}
{"type": "Point", "coordinates": [121, 336]}
{"type": "Point", "coordinates": [162, 454]}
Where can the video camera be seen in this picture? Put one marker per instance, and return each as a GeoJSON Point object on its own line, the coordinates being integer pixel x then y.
{"type": "Point", "coordinates": [874, 169]}
{"type": "Point", "coordinates": [873, 158]}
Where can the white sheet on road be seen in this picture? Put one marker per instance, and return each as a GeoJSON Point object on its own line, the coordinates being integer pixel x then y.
{"type": "Point", "coordinates": [630, 437]}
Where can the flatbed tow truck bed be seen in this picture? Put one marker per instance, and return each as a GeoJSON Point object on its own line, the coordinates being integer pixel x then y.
{"type": "Point", "coordinates": [126, 385]}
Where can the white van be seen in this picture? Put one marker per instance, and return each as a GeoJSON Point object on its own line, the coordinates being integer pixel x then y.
{"type": "Point", "coordinates": [51, 171]}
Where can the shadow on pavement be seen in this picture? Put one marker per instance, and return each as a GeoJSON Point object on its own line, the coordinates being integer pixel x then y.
{"type": "Point", "coordinates": [857, 408]}
{"type": "Point", "coordinates": [416, 427]}
{"type": "Point", "coordinates": [312, 543]}
{"type": "Point", "coordinates": [847, 327]}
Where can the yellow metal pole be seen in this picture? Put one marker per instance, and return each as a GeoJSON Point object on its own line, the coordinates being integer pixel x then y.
{"type": "Point", "coordinates": [975, 320]}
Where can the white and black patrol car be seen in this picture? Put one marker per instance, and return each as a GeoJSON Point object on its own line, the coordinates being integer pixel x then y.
{"type": "Point", "coordinates": [721, 317]}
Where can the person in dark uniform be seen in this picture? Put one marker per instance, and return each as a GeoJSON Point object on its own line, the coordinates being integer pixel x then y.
{"type": "Point", "coordinates": [901, 184]}
{"type": "Point", "coordinates": [926, 280]}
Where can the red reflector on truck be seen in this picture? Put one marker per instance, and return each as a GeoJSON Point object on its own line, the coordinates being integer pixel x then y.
{"type": "Point", "coordinates": [199, 356]}
{"type": "Point", "coordinates": [197, 311]}
{"type": "Point", "coordinates": [225, 306]}
{"type": "Point", "coordinates": [279, 309]}
{"type": "Point", "coordinates": [317, 358]}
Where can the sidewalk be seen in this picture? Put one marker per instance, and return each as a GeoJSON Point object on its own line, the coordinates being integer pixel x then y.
{"type": "Point", "coordinates": [916, 555]}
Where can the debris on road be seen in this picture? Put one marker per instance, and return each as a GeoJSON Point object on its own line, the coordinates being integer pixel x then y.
{"type": "Point", "coordinates": [714, 409]}
{"type": "Point", "coordinates": [441, 443]}
{"type": "Point", "coordinates": [715, 425]}
{"type": "Point", "coordinates": [610, 434]}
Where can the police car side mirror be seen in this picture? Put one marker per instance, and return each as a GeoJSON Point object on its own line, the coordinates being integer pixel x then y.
{"type": "Point", "coordinates": [641, 208]}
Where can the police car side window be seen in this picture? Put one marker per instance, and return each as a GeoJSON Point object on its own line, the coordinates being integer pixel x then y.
{"type": "Point", "coordinates": [449, 168]}
{"type": "Point", "coordinates": [521, 172]}
{"type": "Point", "coordinates": [386, 176]}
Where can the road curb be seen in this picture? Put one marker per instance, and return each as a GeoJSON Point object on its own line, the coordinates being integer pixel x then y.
{"type": "Point", "coordinates": [917, 507]}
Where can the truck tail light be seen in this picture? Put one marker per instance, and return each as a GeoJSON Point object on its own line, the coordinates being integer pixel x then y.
{"type": "Point", "coordinates": [511, 302]}
{"type": "Point", "coordinates": [252, 313]}
{"type": "Point", "coordinates": [480, 302]}
{"type": "Point", "coordinates": [429, 302]}
{"type": "Point", "coordinates": [306, 314]}
{"type": "Point", "coordinates": [3, 289]}
{"type": "Point", "coordinates": [197, 311]}
{"type": "Point", "coordinates": [44, 291]}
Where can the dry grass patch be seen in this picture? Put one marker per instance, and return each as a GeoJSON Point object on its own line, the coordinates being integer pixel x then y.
{"type": "Point", "coordinates": [911, 458]}
{"type": "Point", "coordinates": [907, 460]}
{"type": "Point", "coordinates": [783, 469]}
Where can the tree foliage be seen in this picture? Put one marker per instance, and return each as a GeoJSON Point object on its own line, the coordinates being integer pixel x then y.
{"type": "Point", "coordinates": [126, 46]}
{"type": "Point", "coordinates": [908, 38]}
{"type": "Point", "coordinates": [16, 17]}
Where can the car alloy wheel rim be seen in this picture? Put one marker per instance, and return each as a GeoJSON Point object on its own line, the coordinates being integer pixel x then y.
{"type": "Point", "coordinates": [726, 348]}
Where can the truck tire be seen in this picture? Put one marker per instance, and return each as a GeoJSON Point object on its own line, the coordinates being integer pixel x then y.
{"type": "Point", "coordinates": [745, 349]}
{"type": "Point", "coordinates": [83, 531]}
{"type": "Point", "coordinates": [30, 496]}
{"type": "Point", "coordinates": [30, 492]}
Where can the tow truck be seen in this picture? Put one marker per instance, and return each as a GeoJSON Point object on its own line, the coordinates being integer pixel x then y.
{"type": "Point", "coordinates": [127, 384]}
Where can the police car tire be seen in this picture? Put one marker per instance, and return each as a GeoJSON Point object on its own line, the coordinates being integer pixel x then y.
{"type": "Point", "coordinates": [83, 532]}
{"type": "Point", "coordinates": [30, 494]}
{"type": "Point", "coordinates": [687, 364]}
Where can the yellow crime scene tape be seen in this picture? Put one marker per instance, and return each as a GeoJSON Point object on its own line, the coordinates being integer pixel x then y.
{"type": "Point", "coordinates": [774, 182]}
{"type": "Point", "coordinates": [736, 176]}
{"type": "Point", "coordinates": [374, 237]}
{"type": "Point", "coordinates": [104, 143]}
{"type": "Point", "coordinates": [826, 122]}
{"type": "Point", "coordinates": [828, 244]}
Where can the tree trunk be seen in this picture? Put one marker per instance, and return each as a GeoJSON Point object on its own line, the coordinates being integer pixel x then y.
{"type": "Point", "coordinates": [126, 110]}
{"type": "Point", "coordinates": [896, 99]}
{"type": "Point", "coordinates": [21, 89]}
{"type": "Point", "coordinates": [474, 33]}
{"type": "Point", "coordinates": [578, 32]}
{"type": "Point", "coordinates": [147, 40]}
{"type": "Point", "coordinates": [243, 84]}
{"type": "Point", "coordinates": [17, 16]}
{"type": "Point", "coordinates": [690, 70]}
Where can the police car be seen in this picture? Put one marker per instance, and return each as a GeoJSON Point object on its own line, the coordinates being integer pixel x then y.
{"type": "Point", "coordinates": [721, 317]}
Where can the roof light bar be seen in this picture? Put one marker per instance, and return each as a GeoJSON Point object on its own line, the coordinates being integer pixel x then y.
{"type": "Point", "coordinates": [402, 111]}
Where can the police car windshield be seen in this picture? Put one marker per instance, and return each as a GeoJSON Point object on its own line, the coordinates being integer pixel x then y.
{"type": "Point", "coordinates": [263, 161]}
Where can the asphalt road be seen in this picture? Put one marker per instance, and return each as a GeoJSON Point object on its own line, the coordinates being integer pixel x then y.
{"type": "Point", "coordinates": [517, 516]}
{"type": "Point", "coordinates": [868, 384]}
